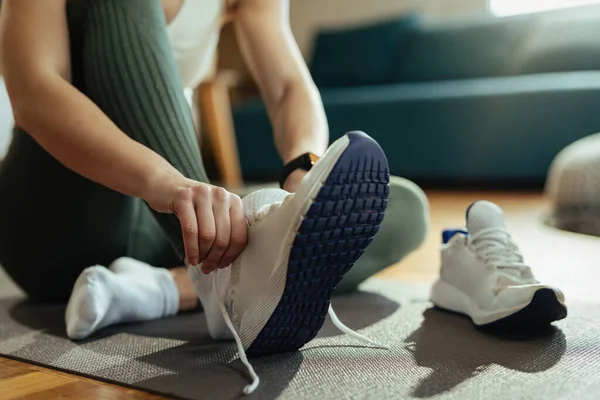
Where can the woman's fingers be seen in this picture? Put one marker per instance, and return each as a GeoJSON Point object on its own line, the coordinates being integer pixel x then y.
{"type": "Point", "coordinates": [239, 232]}
{"type": "Point", "coordinates": [184, 209]}
{"type": "Point", "coordinates": [213, 226]}
{"type": "Point", "coordinates": [206, 223]}
{"type": "Point", "coordinates": [220, 210]}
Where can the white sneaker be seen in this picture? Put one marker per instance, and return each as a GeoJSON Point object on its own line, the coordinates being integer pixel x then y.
{"type": "Point", "coordinates": [277, 293]}
{"type": "Point", "coordinates": [483, 276]}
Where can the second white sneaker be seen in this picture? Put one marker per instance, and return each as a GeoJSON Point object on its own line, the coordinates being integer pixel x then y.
{"type": "Point", "coordinates": [483, 276]}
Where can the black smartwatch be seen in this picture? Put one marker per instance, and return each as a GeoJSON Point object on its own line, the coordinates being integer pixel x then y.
{"type": "Point", "coordinates": [305, 162]}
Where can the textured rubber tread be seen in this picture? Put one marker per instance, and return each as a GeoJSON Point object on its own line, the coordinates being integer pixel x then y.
{"type": "Point", "coordinates": [339, 225]}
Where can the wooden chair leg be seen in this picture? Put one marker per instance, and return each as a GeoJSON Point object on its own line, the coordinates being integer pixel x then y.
{"type": "Point", "coordinates": [215, 110]}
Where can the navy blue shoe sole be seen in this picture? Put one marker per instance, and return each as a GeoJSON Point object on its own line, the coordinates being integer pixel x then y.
{"type": "Point", "coordinates": [336, 230]}
{"type": "Point", "coordinates": [543, 310]}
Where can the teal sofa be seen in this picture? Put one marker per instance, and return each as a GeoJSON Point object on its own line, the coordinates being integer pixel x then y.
{"type": "Point", "coordinates": [488, 100]}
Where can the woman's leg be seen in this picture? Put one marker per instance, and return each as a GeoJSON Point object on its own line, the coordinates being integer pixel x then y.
{"type": "Point", "coordinates": [53, 229]}
{"type": "Point", "coordinates": [128, 70]}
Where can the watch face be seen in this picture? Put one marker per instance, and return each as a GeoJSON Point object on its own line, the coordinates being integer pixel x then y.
{"type": "Point", "coordinates": [313, 158]}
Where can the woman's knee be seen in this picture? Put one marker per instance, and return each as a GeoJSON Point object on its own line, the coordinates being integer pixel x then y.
{"type": "Point", "coordinates": [101, 28]}
{"type": "Point", "coordinates": [86, 9]}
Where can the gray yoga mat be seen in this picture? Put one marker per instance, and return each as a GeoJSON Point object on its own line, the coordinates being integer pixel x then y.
{"type": "Point", "coordinates": [433, 354]}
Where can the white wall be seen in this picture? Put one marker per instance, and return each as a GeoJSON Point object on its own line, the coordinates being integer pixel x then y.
{"type": "Point", "coordinates": [6, 120]}
{"type": "Point", "coordinates": [307, 16]}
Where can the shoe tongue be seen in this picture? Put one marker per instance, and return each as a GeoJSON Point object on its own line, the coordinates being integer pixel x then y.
{"type": "Point", "coordinates": [482, 215]}
{"type": "Point", "coordinates": [260, 201]}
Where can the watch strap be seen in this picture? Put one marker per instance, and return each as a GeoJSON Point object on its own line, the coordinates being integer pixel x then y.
{"type": "Point", "coordinates": [305, 162]}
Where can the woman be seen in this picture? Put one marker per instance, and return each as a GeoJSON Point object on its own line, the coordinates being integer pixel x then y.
{"type": "Point", "coordinates": [103, 127]}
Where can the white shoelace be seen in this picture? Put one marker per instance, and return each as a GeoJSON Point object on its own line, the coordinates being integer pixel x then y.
{"type": "Point", "coordinates": [495, 248]}
{"type": "Point", "coordinates": [250, 388]}
{"type": "Point", "coordinates": [343, 328]}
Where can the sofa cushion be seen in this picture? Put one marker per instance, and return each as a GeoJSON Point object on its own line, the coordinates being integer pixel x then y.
{"type": "Point", "coordinates": [463, 51]}
{"type": "Point", "coordinates": [559, 44]}
{"type": "Point", "coordinates": [505, 128]}
{"type": "Point", "coordinates": [362, 55]}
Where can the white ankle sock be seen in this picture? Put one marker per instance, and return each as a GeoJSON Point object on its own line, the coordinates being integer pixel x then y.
{"type": "Point", "coordinates": [134, 292]}
{"type": "Point", "coordinates": [128, 265]}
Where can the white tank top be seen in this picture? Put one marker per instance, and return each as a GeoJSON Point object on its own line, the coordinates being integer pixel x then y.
{"type": "Point", "coordinates": [194, 35]}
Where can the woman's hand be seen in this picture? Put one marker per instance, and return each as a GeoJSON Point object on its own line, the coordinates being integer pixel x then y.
{"type": "Point", "coordinates": [212, 221]}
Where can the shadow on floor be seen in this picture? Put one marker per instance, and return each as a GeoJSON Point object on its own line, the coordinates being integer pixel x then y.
{"type": "Point", "coordinates": [49, 318]}
{"type": "Point", "coordinates": [176, 355]}
{"type": "Point", "coordinates": [456, 352]}
{"type": "Point", "coordinates": [358, 310]}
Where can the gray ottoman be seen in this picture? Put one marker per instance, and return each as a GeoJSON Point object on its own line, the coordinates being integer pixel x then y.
{"type": "Point", "coordinates": [573, 187]}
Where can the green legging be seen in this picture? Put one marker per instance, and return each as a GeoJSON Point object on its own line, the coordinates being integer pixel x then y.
{"type": "Point", "coordinates": [53, 222]}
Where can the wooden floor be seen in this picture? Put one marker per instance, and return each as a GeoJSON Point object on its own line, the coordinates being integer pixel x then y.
{"type": "Point", "coordinates": [28, 382]}
{"type": "Point", "coordinates": [542, 247]}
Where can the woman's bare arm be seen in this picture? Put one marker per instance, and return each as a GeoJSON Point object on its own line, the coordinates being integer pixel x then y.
{"type": "Point", "coordinates": [34, 53]}
{"type": "Point", "coordinates": [292, 99]}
